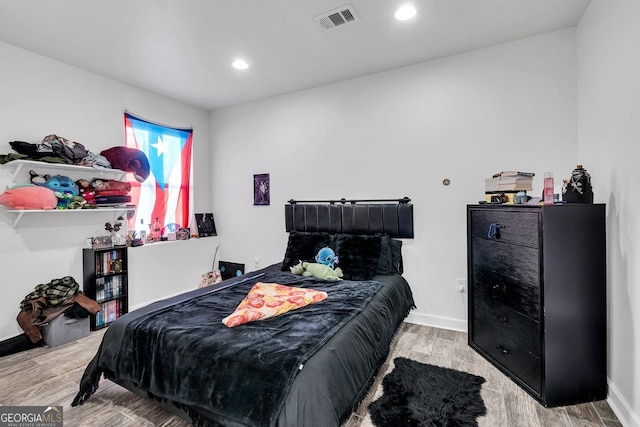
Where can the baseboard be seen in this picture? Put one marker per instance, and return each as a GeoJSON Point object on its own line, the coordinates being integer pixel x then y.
{"type": "Point", "coordinates": [619, 405]}
{"type": "Point", "coordinates": [437, 321]}
{"type": "Point", "coordinates": [17, 344]}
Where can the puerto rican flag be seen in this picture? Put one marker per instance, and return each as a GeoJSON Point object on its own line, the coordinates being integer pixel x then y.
{"type": "Point", "coordinates": [165, 193]}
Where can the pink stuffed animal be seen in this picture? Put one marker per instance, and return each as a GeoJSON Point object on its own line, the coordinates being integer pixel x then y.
{"type": "Point", "coordinates": [29, 197]}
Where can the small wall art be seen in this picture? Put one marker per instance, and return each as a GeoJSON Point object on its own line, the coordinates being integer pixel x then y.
{"type": "Point", "coordinates": [261, 188]}
{"type": "Point", "coordinates": [206, 226]}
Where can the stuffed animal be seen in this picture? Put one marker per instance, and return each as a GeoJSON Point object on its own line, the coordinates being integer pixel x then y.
{"type": "Point", "coordinates": [87, 192]}
{"type": "Point", "coordinates": [29, 196]}
{"type": "Point", "coordinates": [38, 179]}
{"type": "Point", "coordinates": [129, 160]}
{"type": "Point", "coordinates": [61, 184]}
{"type": "Point", "coordinates": [210, 278]}
{"type": "Point", "coordinates": [320, 271]}
{"type": "Point", "coordinates": [72, 202]}
{"type": "Point", "coordinates": [65, 190]}
{"type": "Point", "coordinates": [101, 185]}
{"type": "Point", "coordinates": [327, 256]}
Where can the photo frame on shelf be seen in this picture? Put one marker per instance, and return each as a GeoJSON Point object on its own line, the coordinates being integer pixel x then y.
{"type": "Point", "coordinates": [101, 242]}
{"type": "Point", "coordinates": [261, 187]}
{"type": "Point", "coordinates": [206, 225]}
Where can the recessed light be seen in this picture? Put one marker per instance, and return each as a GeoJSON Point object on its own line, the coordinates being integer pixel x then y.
{"type": "Point", "coordinates": [405, 12]}
{"type": "Point", "coordinates": [240, 64]}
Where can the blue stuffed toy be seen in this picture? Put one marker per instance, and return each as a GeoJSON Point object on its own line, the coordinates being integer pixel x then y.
{"type": "Point", "coordinates": [64, 187]}
{"type": "Point", "coordinates": [327, 256]}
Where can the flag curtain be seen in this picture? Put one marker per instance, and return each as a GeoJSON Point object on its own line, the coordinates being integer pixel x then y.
{"type": "Point", "coordinates": [165, 193]}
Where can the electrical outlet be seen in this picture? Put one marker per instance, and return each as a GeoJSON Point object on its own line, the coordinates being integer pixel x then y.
{"type": "Point", "coordinates": [462, 285]}
{"type": "Point", "coordinates": [256, 261]}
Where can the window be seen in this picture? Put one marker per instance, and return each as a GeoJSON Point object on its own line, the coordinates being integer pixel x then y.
{"type": "Point", "coordinates": [165, 194]}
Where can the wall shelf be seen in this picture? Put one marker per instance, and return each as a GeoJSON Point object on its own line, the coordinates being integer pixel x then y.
{"type": "Point", "coordinates": [21, 170]}
{"type": "Point", "coordinates": [16, 214]}
{"type": "Point", "coordinates": [17, 172]}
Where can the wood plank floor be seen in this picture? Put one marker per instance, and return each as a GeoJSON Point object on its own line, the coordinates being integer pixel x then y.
{"type": "Point", "coordinates": [50, 376]}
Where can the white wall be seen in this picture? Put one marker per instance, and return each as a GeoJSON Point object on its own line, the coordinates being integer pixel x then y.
{"type": "Point", "coordinates": [608, 37]}
{"type": "Point", "coordinates": [465, 117]}
{"type": "Point", "coordinates": [39, 97]}
{"type": "Point", "coordinates": [400, 133]}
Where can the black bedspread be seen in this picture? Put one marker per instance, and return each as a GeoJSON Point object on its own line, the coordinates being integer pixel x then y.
{"type": "Point", "coordinates": [182, 352]}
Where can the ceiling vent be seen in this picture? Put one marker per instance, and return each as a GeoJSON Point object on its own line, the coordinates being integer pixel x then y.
{"type": "Point", "coordinates": [337, 18]}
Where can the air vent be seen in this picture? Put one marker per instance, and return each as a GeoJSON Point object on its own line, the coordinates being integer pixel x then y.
{"type": "Point", "coordinates": [337, 18]}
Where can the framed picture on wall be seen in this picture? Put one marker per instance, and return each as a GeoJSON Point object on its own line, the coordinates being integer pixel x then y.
{"type": "Point", "coordinates": [261, 189]}
{"type": "Point", "coordinates": [206, 226]}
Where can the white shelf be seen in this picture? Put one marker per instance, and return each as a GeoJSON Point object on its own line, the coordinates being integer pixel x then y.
{"type": "Point", "coordinates": [18, 173]}
{"type": "Point", "coordinates": [16, 214]}
{"type": "Point", "coordinates": [21, 167]}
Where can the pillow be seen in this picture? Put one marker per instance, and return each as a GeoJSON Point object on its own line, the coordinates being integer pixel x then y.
{"type": "Point", "coordinates": [358, 255]}
{"type": "Point", "coordinates": [396, 255]}
{"type": "Point", "coordinates": [385, 260]}
{"type": "Point", "coordinates": [304, 246]}
{"type": "Point", "coordinates": [266, 300]}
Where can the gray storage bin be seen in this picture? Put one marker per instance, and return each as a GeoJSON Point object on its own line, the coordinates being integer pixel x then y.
{"type": "Point", "coordinates": [62, 330]}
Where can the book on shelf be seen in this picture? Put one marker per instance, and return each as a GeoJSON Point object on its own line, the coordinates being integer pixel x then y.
{"type": "Point", "coordinates": [509, 181]}
{"type": "Point", "coordinates": [516, 186]}
{"type": "Point", "coordinates": [515, 173]}
{"type": "Point", "coordinates": [100, 316]}
{"type": "Point", "coordinates": [492, 184]}
{"type": "Point", "coordinates": [111, 311]}
{"type": "Point", "coordinates": [512, 179]}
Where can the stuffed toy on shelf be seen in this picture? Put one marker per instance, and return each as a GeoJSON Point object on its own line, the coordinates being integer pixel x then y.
{"type": "Point", "coordinates": [29, 197]}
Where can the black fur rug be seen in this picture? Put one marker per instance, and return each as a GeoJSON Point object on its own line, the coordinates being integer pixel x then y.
{"type": "Point", "coordinates": [421, 395]}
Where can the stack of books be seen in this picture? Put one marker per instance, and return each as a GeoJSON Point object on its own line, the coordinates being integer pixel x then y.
{"type": "Point", "coordinates": [507, 184]}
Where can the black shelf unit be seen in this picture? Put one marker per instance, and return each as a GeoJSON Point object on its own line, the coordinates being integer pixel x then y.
{"type": "Point", "coordinates": [106, 281]}
{"type": "Point", "coordinates": [537, 297]}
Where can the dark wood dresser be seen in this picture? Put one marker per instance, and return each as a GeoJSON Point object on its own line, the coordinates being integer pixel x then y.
{"type": "Point", "coordinates": [537, 297]}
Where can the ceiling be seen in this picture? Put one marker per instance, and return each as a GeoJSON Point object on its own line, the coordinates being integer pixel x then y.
{"type": "Point", "coordinates": [183, 49]}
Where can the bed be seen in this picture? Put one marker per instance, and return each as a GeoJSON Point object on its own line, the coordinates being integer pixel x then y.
{"type": "Point", "coordinates": [310, 366]}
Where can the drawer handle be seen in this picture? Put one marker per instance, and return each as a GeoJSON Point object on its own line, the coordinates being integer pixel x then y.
{"type": "Point", "coordinates": [502, 349]}
{"type": "Point", "coordinates": [494, 230]}
{"type": "Point", "coordinates": [498, 291]}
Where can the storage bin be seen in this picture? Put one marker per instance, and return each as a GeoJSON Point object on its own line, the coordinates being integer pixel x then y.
{"type": "Point", "coordinates": [62, 330]}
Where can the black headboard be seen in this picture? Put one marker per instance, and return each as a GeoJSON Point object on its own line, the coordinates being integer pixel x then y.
{"type": "Point", "coordinates": [351, 216]}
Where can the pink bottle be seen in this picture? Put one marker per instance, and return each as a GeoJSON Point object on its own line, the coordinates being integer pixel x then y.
{"type": "Point", "coordinates": [547, 192]}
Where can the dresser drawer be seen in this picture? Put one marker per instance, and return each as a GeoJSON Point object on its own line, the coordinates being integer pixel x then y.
{"type": "Point", "coordinates": [505, 352]}
{"type": "Point", "coordinates": [518, 329]}
{"type": "Point", "coordinates": [519, 227]}
{"type": "Point", "coordinates": [521, 263]}
{"type": "Point", "coordinates": [518, 294]}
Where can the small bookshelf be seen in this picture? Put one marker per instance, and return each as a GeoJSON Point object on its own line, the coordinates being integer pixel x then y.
{"type": "Point", "coordinates": [105, 280]}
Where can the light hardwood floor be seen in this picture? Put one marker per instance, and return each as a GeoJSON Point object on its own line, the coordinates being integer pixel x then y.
{"type": "Point", "coordinates": [50, 376]}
